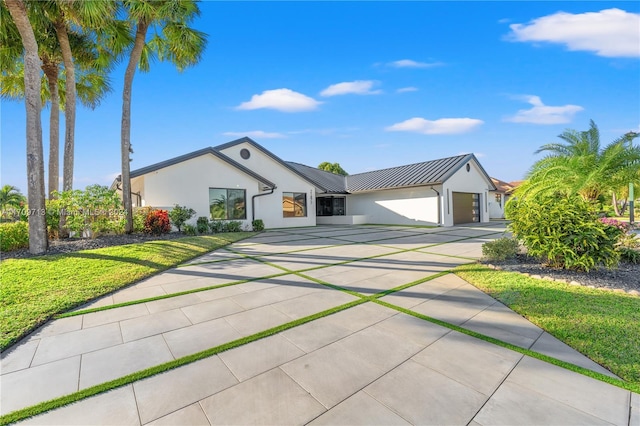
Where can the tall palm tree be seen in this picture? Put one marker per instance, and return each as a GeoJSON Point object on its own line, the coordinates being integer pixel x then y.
{"type": "Point", "coordinates": [173, 41]}
{"type": "Point", "coordinates": [91, 85]}
{"type": "Point", "coordinates": [35, 159]}
{"type": "Point", "coordinates": [581, 165]}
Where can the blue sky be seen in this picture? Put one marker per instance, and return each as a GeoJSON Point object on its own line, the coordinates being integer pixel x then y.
{"type": "Point", "coordinates": [371, 85]}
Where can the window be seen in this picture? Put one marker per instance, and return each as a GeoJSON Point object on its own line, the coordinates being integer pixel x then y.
{"type": "Point", "coordinates": [330, 206]}
{"type": "Point", "coordinates": [294, 204]}
{"type": "Point", "coordinates": [499, 199]}
{"type": "Point", "coordinates": [227, 203]}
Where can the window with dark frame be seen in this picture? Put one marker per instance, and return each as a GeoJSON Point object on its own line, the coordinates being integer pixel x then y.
{"type": "Point", "coordinates": [294, 204]}
{"type": "Point", "coordinates": [331, 206]}
{"type": "Point", "coordinates": [227, 204]}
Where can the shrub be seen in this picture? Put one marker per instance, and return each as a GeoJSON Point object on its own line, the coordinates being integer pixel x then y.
{"type": "Point", "coordinates": [203, 225]}
{"type": "Point", "coordinates": [139, 217]}
{"type": "Point", "coordinates": [180, 214]}
{"type": "Point", "coordinates": [233, 226]}
{"type": "Point", "coordinates": [190, 230]}
{"type": "Point", "coordinates": [622, 226]}
{"type": "Point", "coordinates": [157, 222]}
{"type": "Point", "coordinates": [14, 236]}
{"type": "Point", "coordinates": [564, 231]}
{"type": "Point", "coordinates": [500, 249]}
{"type": "Point", "coordinates": [629, 255]}
{"type": "Point", "coordinates": [96, 210]}
{"type": "Point", "coordinates": [216, 226]}
{"type": "Point", "coordinates": [258, 225]}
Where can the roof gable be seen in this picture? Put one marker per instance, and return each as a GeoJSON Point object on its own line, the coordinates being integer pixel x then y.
{"type": "Point", "coordinates": [198, 153]}
{"type": "Point", "coordinates": [274, 157]}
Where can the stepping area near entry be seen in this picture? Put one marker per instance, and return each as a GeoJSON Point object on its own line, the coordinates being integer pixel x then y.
{"type": "Point", "coordinates": [374, 361]}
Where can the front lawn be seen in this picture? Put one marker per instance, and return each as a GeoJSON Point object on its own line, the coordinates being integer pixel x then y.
{"type": "Point", "coordinates": [603, 325]}
{"type": "Point", "coordinates": [35, 289]}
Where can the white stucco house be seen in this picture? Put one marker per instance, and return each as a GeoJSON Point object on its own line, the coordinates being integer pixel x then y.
{"type": "Point", "coordinates": [499, 197]}
{"type": "Point", "coordinates": [241, 180]}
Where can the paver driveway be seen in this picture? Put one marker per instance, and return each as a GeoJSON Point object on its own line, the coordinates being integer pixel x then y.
{"type": "Point", "coordinates": [366, 364]}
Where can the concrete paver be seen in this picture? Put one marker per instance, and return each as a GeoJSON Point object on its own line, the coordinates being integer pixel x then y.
{"type": "Point", "coordinates": [116, 407]}
{"type": "Point", "coordinates": [165, 393]}
{"type": "Point", "coordinates": [271, 398]}
{"type": "Point", "coordinates": [368, 364]}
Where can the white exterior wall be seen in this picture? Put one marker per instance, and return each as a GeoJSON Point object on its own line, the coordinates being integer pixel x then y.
{"type": "Point", "coordinates": [408, 206]}
{"type": "Point", "coordinates": [472, 181]}
{"type": "Point", "coordinates": [187, 184]}
{"type": "Point", "coordinates": [496, 209]}
{"type": "Point", "coordinates": [269, 207]}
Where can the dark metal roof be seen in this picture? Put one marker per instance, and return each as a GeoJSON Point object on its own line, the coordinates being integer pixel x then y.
{"type": "Point", "coordinates": [329, 182]}
{"type": "Point", "coordinates": [425, 173]}
{"type": "Point", "coordinates": [198, 153]}
{"type": "Point", "coordinates": [269, 154]}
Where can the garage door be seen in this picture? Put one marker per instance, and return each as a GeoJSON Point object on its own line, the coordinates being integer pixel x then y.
{"type": "Point", "coordinates": [466, 207]}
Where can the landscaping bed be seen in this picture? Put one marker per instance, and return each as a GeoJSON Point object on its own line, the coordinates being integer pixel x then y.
{"type": "Point", "coordinates": [625, 277]}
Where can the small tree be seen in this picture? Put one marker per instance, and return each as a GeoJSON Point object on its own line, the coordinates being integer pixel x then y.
{"type": "Point", "coordinates": [179, 215]}
{"type": "Point", "coordinates": [332, 168]}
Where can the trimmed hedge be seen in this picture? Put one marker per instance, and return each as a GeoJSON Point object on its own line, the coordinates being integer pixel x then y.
{"type": "Point", "coordinates": [14, 236]}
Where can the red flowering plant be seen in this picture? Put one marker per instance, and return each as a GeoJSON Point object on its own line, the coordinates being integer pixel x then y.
{"type": "Point", "coordinates": [157, 222]}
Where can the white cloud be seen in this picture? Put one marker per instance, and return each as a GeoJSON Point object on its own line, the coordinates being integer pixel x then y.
{"type": "Point", "coordinates": [407, 89]}
{"type": "Point", "coordinates": [544, 114]}
{"type": "Point", "coordinates": [441, 126]}
{"type": "Point", "coordinates": [257, 134]}
{"type": "Point", "coordinates": [610, 32]}
{"type": "Point", "coordinates": [408, 63]}
{"type": "Point", "coordinates": [358, 87]}
{"type": "Point", "coordinates": [285, 100]}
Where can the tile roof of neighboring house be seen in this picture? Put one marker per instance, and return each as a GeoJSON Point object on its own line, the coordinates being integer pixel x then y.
{"type": "Point", "coordinates": [198, 153]}
{"type": "Point", "coordinates": [425, 173]}
{"type": "Point", "coordinates": [502, 186]}
{"type": "Point", "coordinates": [330, 182]}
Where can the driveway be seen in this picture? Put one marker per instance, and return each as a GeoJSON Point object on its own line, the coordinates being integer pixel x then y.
{"type": "Point", "coordinates": [353, 338]}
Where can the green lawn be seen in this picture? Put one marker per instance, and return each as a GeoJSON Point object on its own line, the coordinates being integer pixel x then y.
{"type": "Point", "coordinates": [603, 325]}
{"type": "Point", "coordinates": [35, 289]}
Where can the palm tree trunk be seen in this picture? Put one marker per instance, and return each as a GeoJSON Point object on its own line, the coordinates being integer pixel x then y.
{"type": "Point", "coordinates": [52, 70]}
{"type": "Point", "coordinates": [35, 157]}
{"type": "Point", "coordinates": [616, 209]}
{"type": "Point", "coordinates": [70, 104]}
{"type": "Point", "coordinates": [125, 131]}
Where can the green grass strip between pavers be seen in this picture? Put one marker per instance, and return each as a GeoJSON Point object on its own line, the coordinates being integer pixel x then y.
{"type": "Point", "coordinates": [633, 387]}
{"type": "Point", "coordinates": [152, 371]}
{"type": "Point", "coordinates": [165, 296]}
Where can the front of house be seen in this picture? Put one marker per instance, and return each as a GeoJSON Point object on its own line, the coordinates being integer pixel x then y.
{"type": "Point", "coordinates": [241, 180]}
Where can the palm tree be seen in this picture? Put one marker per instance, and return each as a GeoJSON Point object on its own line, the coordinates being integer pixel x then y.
{"type": "Point", "coordinates": [582, 166]}
{"type": "Point", "coordinates": [35, 158]}
{"type": "Point", "coordinates": [91, 86]}
{"type": "Point", "coordinates": [173, 41]}
{"type": "Point", "coordinates": [10, 196]}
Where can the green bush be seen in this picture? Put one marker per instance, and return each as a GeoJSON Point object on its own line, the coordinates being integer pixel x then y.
{"type": "Point", "coordinates": [190, 230]}
{"type": "Point", "coordinates": [564, 231]}
{"type": "Point", "coordinates": [96, 210]}
{"type": "Point", "coordinates": [14, 236]}
{"type": "Point", "coordinates": [203, 225]}
{"type": "Point", "coordinates": [629, 255]}
{"type": "Point", "coordinates": [258, 225]}
{"type": "Point", "coordinates": [216, 226]}
{"type": "Point", "coordinates": [233, 226]}
{"type": "Point", "coordinates": [180, 214]}
{"type": "Point", "coordinates": [500, 249]}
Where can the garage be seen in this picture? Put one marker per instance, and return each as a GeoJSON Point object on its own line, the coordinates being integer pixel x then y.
{"type": "Point", "coordinates": [466, 207]}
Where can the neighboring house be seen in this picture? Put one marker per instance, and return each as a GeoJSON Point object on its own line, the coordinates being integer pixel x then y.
{"type": "Point", "coordinates": [499, 197]}
{"type": "Point", "coordinates": [241, 180]}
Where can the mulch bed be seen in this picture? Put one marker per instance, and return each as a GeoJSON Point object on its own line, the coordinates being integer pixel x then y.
{"type": "Point", "coordinates": [626, 277]}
